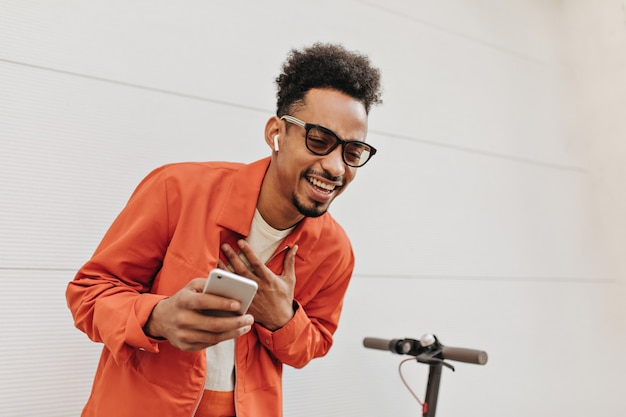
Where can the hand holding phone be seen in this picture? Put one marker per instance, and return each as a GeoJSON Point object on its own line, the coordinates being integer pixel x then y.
{"type": "Point", "coordinates": [230, 285]}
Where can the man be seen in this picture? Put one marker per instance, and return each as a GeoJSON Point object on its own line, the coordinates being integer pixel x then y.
{"type": "Point", "coordinates": [141, 292]}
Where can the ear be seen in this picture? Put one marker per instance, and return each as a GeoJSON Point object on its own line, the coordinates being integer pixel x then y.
{"type": "Point", "coordinates": [272, 133]}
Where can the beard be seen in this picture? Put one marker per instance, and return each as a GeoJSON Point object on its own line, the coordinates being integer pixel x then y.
{"type": "Point", "coordinates": [314, 210]}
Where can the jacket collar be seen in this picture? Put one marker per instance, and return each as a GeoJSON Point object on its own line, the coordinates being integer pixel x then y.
{"type": "Point", "coordinates": [242, 196]}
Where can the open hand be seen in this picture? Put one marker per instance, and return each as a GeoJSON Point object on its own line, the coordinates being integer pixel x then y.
{"type": "Point", "coordinates": [273, 304]}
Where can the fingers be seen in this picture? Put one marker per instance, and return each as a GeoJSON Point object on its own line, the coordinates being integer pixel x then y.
{"type": "Point", "coordinates": [204, 331]}
{"type": "Point", "coordinates": [273, 304]}
{"type": "Point", "coordinates": [180, 318]}
{"type": "Point", "coordinates": [253, 260]}
{"type": "Point", "coordinates": [290, 260]}
{"type": "Point", "coordinates": [247, 263]}
{"type": "Point", "coordinates": [254, 263]}
{"type": "Point", "coordinates": [223, 266]}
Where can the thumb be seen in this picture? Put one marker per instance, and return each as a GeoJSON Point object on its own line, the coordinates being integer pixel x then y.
{"type": "Point", "coordinates": [197, 284]}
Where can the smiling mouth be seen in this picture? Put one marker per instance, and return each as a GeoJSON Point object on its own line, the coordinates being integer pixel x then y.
{"type": "Point", "coordinates": [327, 188]}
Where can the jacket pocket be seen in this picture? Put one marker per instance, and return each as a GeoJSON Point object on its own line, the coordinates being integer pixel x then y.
{"type": "Point", "coordinates": [261, 370]}
{"type": "Point", "coordinates": [177, 371]}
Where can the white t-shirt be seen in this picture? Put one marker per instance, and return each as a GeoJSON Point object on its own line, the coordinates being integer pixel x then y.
{"type": "Point", "coordinates": [264, 240]}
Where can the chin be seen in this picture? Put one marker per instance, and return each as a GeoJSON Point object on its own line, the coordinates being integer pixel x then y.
{"type": "Point", "coordinates": [312, 210]}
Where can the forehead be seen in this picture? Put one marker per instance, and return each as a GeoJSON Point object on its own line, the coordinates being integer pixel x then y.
{"type": "Point", "coordinates": [337, 111]}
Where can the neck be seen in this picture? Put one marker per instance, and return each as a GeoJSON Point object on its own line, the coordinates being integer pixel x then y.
{"type": "Point", "coordinates": [277, 212]}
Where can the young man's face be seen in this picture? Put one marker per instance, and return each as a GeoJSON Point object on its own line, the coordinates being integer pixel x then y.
{"type": "Point", "coordinates": [311, 182]}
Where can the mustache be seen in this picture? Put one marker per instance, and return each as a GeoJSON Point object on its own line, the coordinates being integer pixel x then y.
{"type": "Point", "coordinates": [326, 175]}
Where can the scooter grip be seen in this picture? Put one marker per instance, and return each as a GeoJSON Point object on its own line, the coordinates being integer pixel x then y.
{"type": "Point", "coordinates": [478, 357]}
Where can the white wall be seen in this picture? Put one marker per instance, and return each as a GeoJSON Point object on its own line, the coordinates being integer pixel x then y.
{"type": "Point", "coordinates": [491, 215]}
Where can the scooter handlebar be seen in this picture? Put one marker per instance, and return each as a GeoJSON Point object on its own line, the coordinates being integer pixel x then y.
{"type": "Point", "coordinates": [414, 347]}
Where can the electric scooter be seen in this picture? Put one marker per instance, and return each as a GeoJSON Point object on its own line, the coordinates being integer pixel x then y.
{"type": "Point", "coordinates": [430, 351]}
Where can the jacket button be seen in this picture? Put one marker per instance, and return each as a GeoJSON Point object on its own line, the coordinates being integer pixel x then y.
{"type": "Point", "coordinates": [267, 341]}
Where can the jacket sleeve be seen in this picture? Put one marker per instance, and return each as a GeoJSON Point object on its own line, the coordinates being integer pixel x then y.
{"type": "Point", "coordinates": [309, 334]}
{"type": "Point", "coordinates": [109, 297]}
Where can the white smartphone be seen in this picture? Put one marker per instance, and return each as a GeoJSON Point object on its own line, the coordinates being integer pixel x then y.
{"type": "Point", "coordinates": [230, 285]}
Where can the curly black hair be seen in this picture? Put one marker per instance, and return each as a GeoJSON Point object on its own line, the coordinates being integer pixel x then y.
{"type": "Point", "coordinates": [326, 66]}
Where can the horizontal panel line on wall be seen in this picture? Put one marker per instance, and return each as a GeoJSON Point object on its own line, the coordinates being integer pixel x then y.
{"type": "Point", "coordinates": [456, 34]}
{"type": "Point", "coordinates": [138, 86]}
{"type": "Point", "coordinates": [484, 152]}
{"type": "Point", "coordinates": [268, 111]}
{"type": "Point", "coordinates": [574, 280]}
{"type": "Point", "coordinates": [10, 268]}
{"type": "Point", "coordinates": [539, 279]}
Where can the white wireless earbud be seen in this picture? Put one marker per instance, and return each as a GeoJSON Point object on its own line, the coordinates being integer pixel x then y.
{"type": "Point", "coordinates": [276, 143]}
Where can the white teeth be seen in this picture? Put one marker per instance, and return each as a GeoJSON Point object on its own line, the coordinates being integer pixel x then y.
{"type": "Point", "coordinates": [318, 183]}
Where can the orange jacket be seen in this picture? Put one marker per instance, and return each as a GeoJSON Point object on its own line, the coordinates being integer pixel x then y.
{"type": "Point", "coordinates": [168, 233]}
